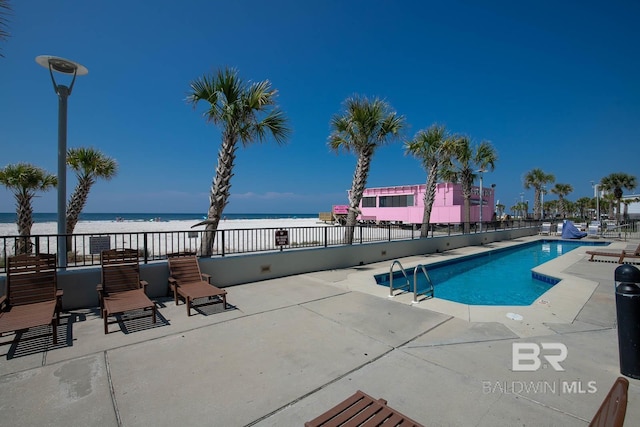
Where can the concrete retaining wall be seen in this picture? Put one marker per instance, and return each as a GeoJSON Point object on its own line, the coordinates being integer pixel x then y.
{"type": "Point", "coordinates": [79, 284]}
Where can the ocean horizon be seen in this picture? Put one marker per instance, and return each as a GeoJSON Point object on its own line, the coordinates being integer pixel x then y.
{"type": "Point", "coordinates": [40, 217]}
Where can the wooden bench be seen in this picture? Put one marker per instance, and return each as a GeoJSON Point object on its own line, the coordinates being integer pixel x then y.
{"type": "Point", "coordinates": [32, 298]}
{"type": "Point", "coordinates": [361, 408]}
{"type": "Point", "coordinates": [613, 409]}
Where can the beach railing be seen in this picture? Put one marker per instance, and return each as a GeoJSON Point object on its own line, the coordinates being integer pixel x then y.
{"type": "Point", "coordinates": [85, 249]}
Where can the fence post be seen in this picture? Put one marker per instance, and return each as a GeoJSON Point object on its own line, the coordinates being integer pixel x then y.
{"type": "Point", "coordinates": [146, 248]}
{"type": "Point", "coordinates": [222, 243]}
{"type": "Point", "coordinates": [326, 240]}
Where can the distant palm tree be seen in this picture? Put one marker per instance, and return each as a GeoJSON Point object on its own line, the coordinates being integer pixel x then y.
{"type": "Point", "coordinates": [430, 146]}
{"type": "Point", "coordinates": [25, 180]}
{"type": "Point", "coordinates": [90, 165]}
{"type": "Point", "coordinates": [562, 190]}
{"type": "Point", "coordinates": [5, 9]}
{"type": "Point", "coordinates": [614, 183]}
{"type": "Point", "coordinates": [245, 113]}
{"type": "Point", "coordinates": [464, 162]}
{"type": "Point", "coordinates": [608, 202]}
{"type": "Point", "coordinates": [363, 126]}
{"type": "Point", "coordinates": [583, 204]}
{"type": "Point", "coordinates": [536, 179]}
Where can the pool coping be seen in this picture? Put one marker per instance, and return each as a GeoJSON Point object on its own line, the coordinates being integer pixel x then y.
{"type": "Point", "coordinates": [560, 304]}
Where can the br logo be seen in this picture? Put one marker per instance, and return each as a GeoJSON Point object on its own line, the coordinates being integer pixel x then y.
{"type": "Point", "coordinates": [525, 356]}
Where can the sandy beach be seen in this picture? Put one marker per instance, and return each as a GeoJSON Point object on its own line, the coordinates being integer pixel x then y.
{"type": "Point", "coordinates": [96, 227]}
{"type": "Point", "coordinates": [164, 237]}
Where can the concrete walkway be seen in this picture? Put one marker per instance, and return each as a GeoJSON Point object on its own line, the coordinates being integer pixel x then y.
{"type": "Point", "coordinates": [290, 348]}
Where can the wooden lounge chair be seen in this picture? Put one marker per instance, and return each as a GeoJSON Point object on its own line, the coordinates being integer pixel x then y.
{"type": "Point", "coordinates": [188, 282]}
{"type": "Point", "coordinates": [121, 289]}
{"type": "Point", "coordinates": [614, 407]}
{"type": "Point", "coordinates": [361, 407]}
{"type": "Point", "coordinates": [32, 298]}
{"type": "Point", "coordinates": [619, 255]}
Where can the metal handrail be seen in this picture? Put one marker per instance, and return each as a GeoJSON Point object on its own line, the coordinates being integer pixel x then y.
{"type": "Point", "coordinates": [415, 283]}
{"type": "Point", "coordinates": [404, 273]}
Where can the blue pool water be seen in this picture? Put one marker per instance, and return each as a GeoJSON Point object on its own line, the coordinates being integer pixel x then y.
{"type": "Point", "coordinates": [497, 277]}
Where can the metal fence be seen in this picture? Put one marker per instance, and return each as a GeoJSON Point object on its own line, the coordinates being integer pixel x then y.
{"type": "Point", "coordinates": [84, 249]}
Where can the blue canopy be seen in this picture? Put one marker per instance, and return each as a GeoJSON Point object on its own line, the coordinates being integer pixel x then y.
{"type": "Point", "coordinates": [570, 231]}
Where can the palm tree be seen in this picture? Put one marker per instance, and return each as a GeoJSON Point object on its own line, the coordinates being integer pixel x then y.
{"type": "Point", "coordinates": [614, 183]}
{"type": "Point", "coordinates": [25, 180]}
{"type": "Point", "coordinates": [90, 165]}
{"type": "Point", "coordinates": [537, 178]}
{"type": "Point", "coordinates": [246, 113]}
{"type": "Point", "coordinates": [5, 9]}
{"type": "Point", "coordinates": [430, 146]}
{"type": "Point", "coordinates": [583, 204]}
{"type": "Point", "coordinates": [562, 190]}
{"type": "Point", "coordinates": [464, 161]}
{"type": "Point", "coordinates": [363, 126]}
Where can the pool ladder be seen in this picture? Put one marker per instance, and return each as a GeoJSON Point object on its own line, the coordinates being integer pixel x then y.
{"type": "Point", "coordinates": [407, 285]}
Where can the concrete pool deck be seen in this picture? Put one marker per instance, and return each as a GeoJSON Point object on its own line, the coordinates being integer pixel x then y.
{"type": "Point", "coordinates": [290, 348]}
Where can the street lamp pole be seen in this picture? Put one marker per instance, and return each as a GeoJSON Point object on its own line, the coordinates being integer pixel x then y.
{"type": "Point", "coordinates": [481, 198]}
{"type": "Point", "coordinates": [64, 66]}
{"type": "Point", "coordinates": [544, 189]}
{"type": "Point", "coordinates": [596, 190]}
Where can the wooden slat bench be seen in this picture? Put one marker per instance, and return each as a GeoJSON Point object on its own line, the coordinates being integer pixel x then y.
{"type": "Point", "coordinates": [361, 409]}
{"type": "Point", "coordinates": [32, 298]}
{"type": "Point", "coordinates": [613, 409]}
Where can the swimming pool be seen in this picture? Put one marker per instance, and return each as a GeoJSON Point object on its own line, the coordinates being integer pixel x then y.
{"type": "Point", "coordinates": [496, 277]}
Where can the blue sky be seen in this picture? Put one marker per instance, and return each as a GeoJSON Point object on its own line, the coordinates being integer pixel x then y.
{"type": "Point", "coordinates": [552, 85]}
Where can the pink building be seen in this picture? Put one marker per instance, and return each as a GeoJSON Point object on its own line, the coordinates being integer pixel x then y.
{"type": "Point", "coordinates": [405, 203]}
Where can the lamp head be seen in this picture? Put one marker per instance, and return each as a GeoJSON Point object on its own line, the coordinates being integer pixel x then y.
{"type": "Point", "coordinates": [61, 65]}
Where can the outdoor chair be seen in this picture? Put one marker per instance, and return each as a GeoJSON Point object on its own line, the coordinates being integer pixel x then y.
{"type": "Point", "coordinates": [121, 289]}
{"type": "Point", "coordinates": [545, 228]}
{"type": "Point", "coordinates": [619, 255]}
{"type": "Point", "coordinates": [614, 406]}
{"type": "Point", "coordinates": [593, 230]}
{"type": "Point", "coordinates": [32, 297]}
{"type": "Point", "coordinates": [361, 408]}
{"type": "Point", "coordinates": [186, 281]}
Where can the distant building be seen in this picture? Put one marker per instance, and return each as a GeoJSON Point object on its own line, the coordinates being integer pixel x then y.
{"type": "Point", "coordinates": [405, 204]}
{"type": "Point", "coordinates": [633, 209]}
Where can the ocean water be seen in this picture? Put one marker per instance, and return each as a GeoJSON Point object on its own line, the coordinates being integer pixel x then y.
{"type": "Point", "coordinates": [9, 218]}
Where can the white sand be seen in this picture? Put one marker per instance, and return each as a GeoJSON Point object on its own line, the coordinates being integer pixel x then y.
{"type": "Point", "coordinates": [242, 235]}
{"type": "Point", "coordinates": [149, 226]}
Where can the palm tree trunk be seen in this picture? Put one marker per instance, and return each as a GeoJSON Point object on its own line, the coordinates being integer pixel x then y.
{"type": "Point", "coordinates": [357, 189]}
{"type": "Point", "coordinates": [24, 222]}
{"type": "Point", "coordinates": [77, 201]}
{"type": "Point", "coordinates": [536, 204]}
{"type": "Point", "coordinates": [219, 195]}
{"type": "Point", "coordinates": [429, 197]}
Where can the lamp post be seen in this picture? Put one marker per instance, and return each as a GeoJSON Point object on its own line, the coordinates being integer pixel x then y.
{"type": "Point", "coordinates": [63, 66]}
{"type": "Point", "coordinates": [481, 171]}
{"type": "Point", "coordinates": [596, 190]}
{"type": "Point", "coordinates": [544, 190]}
